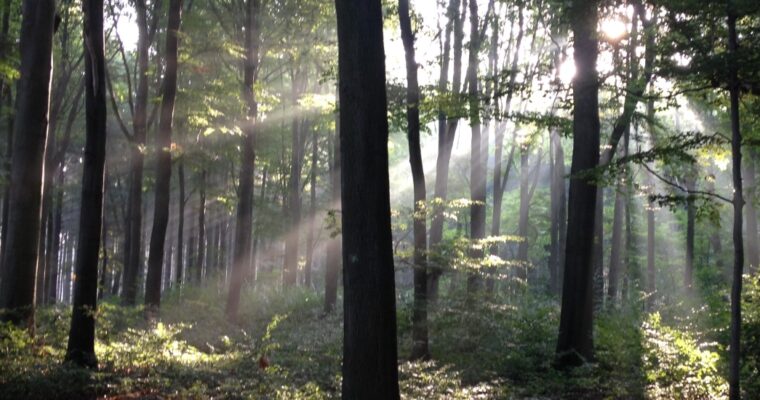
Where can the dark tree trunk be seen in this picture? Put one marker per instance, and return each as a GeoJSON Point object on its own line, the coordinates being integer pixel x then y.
{"type": "Point", "coordinates": [6, 97]}
{"type": "Point", "coordinates": [370, 369]}
{"type": "Point", "coordinates": [447, 127]}
{"type": "Point", "coordinates": [180, 224]}
{"type": "Point", "coordinates": [27, 163]}
{"type": "Point", "coordinates": [575, 344]}
{"type": "Point", "coordinates": [201, 257]}
{"type": "Point", "coordinates": [333, 253]}
{"type": "Point", "coordinates": [244, 225]}
{"type": "Point", "coordinates": [524, 213]}
{"type": "Point", "coordinates": [736, 156]}
{"type": "Point", "coordinates": [81, 346]}
{"type": "Point", "coordinates": [419, 313]}
{"type": "Point", "coordinates": [133, 222]}
{"type": "Point", "coordinates": [163, 162]}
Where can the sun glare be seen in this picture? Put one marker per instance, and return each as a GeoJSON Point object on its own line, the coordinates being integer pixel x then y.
{"type": "Point", "coordinates": [614, 29]}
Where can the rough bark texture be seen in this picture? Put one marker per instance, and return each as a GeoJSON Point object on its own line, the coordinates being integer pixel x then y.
{"type": "Point", "coordinates": [244, 225]}
{"type": "Point", "coordinates": [575, 344]}
{"type": "Point", "coordinates": [81, 346]}
{"type": "Point", "coordinates": [27, 162]}
{"type": "Point", "coordinates": [370, 368]}
{"type": "Point", "coordinates": [750, 190]}
{"type": "Point", "coordinates": [419, 312]}
{"type": "Point", "coordinates": [163, 161]}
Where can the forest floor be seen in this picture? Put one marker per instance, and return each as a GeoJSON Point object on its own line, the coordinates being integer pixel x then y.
{"type": "Point", "coordinates": [287, 348]}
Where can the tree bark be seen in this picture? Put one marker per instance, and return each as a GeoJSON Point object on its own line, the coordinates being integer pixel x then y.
{"type": "Point", "coordinates": [752, 240]}
{"type": "Point", "coordinates": [81, 346]}
{"type": "Point", "coordinates": [333, 253]}
{"type": "Point", "coordinates": [479, 152]}
{"type": "Point", "coordinates": [180, 224]}
{"type": "Point", "coordinates": [370, 368]}
{"type": "Point", "coordinates": [419, 313]}
{"type": "Point", "coordinates": [447, 126]}
{"type": "Point", "coordinates": [133, 222]}
{"type": "Point", "coordinates": [163, 162]}
{"type": "Point", "coordinates": [736, 158]}
{"type": "Point", "coordinates": [201, 257]}
{"type": "Point", "coordinates": [242, 250]}
{"type": "Point", "coordinates": [27, 163]}
{"type": "Point", "coordinates": [575, 344]}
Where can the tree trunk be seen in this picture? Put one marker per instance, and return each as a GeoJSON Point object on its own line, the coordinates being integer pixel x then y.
{"type": "Point", "coordinates": [616, 246]}
{"type": "Point", "coordinates": [370, 368]}
{"type": "Point", "coordinates": [446, 131]}
{"type": "Point", "coordinates": [575, 344]}
{"type": "Point", "coordinates": [558, 204]}
{"type": "Point", "coordinates": [753, 258]}
{"type": "Point", "coordinates": [180, 224]}
{"type": "Point", "coordinates": [163, 162]}
{"type": "Point", "coordinates": [133, 222]}
{"type": "Point", "coordinates": [690, 222]}
{"type": "Point", "coordinates": [419, 313]}
{"type": "Point", "coordinates": [736, 157]}
{"type": "Point", "coordinates": [312, 211]}
{"type": "Point", "coordinates": [333, 253]}
{"type": "Point", "coordinates": [81, 346]}
{"type": "Point", "coordinates": [242, 250]}
{"type": "Point", "coordinates": [479, 152]}
{"type": "Point", "coordinates": [27, 163]}
{"type": "Point", "coordinates": [290, 267]}
{"type": "Point", "coordinates": [52, 288]}
{"type": "Point", "coordinates": [198, 264]}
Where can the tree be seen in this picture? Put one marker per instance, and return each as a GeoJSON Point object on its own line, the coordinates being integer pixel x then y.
{"type": "Point", "coordinates": [242, 250]}
{"type": "Point", "coordinates": [27, 163]}
{"type": "Point", "coordinates": [575, 343]}
{"type": "Point", "coordinates": [81, 346]}
{"type": "Point", "coordinates": [370, 368]}
{"type": "Point", "coordinates": [419, 314]}
{"type": "Point", "coordinates": [163, 160]}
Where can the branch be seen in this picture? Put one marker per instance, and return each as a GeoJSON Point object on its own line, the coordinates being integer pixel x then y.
{"type": "Point", "coordinates": [683, 189]}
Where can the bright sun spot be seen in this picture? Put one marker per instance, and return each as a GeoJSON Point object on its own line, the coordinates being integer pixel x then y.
{"type": "Point", "coordinates": [127, 29]}
{"type": "Point", "coordinates": [614, 29]}
{"type": "Point", "coordinates": [567, 71]}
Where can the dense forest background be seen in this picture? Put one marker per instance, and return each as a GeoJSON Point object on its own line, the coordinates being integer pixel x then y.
{"type": "Point", "coordinates": [375, 199]}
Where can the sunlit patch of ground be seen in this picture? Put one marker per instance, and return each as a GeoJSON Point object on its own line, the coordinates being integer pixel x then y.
{"type": "Point", "coordinates": [286, 348]}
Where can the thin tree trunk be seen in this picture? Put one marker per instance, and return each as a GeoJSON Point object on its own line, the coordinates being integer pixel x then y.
{"type": "Point", "coordinates": [201, 229]}
{"type": "Point", "coordinates": [736, 156]}
{"type": "Point", "coordinates": [180, 224]}
{"type": "Point", "coordinates": [690, 222]}
{"type": "Point", "coordinates": [241, 257]}
{"type": "Point", "coordinates": [753, 258]}
{"type": "Point", "coordinates": [133, 222]}
{"type": "Point", "coordinates": [419, 313]}
{"type": "Point", "coordinates": [27, 163]}
{"type": "Point", "coordinates": [333, 253]}
{"type": "Point", "coordinates": [575, 344]}
{"type": "Point", "coordinates": [447, 127]}
{"type": "Point", "coordinates": [163, 162]}
{"type": "Point", "coordinates": [479, 146]}
{"type": "Point", "coordinates": [312, 211]}
{"type": "Point", "coordinates": [81, 346]}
